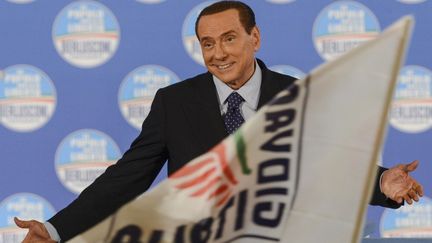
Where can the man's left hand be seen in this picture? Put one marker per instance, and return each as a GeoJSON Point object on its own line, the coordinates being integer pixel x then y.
{"type": "Point", "coordinates": [398, 185]}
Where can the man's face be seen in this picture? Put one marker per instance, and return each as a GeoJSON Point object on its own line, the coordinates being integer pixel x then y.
{"type": "Point", "coordinates": [228, 50]}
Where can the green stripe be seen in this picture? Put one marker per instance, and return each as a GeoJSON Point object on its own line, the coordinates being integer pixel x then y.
{"type": "Point", "coordinates": [241, 152]}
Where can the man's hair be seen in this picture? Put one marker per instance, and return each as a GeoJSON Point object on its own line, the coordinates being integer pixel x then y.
{"type": "Point", "coordinates": [246, 14]}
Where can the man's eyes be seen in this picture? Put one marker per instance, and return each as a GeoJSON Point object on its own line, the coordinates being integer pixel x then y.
{"type": "Point", "coordinates": [207, 45]}
{"type": "Point", "coordinates": [230, 38]}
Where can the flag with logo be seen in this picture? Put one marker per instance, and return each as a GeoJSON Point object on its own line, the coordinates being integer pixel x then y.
{"type": "Point", "coordinates": [301, 170]}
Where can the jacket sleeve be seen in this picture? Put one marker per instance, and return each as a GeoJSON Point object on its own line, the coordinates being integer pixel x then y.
{"type": "Point", "coordinates": [378, 198]}
{"type": "Point", "coordinates": [121, 182]}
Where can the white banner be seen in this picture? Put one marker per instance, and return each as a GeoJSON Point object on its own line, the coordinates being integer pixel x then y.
{"type": "Point", "coordinates": [301, 170]}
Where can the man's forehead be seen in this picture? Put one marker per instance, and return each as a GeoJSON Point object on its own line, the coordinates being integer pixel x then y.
{"type": "Point", "coordinates": [214, 35]}
{"type": "Point", "coordinates": [218, 24]}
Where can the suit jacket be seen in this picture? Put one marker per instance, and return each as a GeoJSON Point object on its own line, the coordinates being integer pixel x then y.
{"type": "Point", "coordinates": [184, 122]}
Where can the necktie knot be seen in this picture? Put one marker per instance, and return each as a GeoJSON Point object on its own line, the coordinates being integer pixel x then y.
{"type": "Point", "coordinates": [233, 118]}
{"type": "Point", "coordinates": [234, 101]}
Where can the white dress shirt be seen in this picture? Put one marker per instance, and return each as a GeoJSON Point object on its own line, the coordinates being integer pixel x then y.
{"type": "Point", "coordinates": [250, 92]}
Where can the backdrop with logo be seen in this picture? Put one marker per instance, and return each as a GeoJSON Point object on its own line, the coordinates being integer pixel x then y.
{"type": "Point", "coordinates": [77, 79]}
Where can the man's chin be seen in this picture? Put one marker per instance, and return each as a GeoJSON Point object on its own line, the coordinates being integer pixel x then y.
{"type": "Point", "coordinates": [222, 77]}
{"type": "Point", "coordinates": [226, 79]}
{"type": "Point", "coordinates": [228, 82]}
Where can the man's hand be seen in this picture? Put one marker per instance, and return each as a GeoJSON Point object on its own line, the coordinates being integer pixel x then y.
{"type": "Point", "coordinates": [37, 231]}
{"type": "Point", "coordinates": [397, 185]}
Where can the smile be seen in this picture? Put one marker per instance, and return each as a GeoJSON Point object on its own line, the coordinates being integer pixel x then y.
{"type": "Point", "coordinates": [224, 66]}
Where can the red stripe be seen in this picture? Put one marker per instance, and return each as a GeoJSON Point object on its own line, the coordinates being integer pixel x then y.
{"type": "Point", "coordinates": [220, 150]}
{"type": "Point", "coordinates": [207, 187]}
{"type": "Point", "coordinates": [218, 191]}
{"type": "Point", "coordinates": [197, 180]}
{"type": "Point", "coordinates": [224, 199]}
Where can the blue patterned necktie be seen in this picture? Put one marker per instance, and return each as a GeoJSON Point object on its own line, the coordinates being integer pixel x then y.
{"type": "Point", "coordinates": [233, 118]}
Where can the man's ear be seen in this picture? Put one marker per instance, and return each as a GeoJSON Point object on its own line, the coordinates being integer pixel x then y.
{"type": "Point", "coordinates": [255, 33]}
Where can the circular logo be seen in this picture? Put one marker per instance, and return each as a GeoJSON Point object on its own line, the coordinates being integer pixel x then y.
{"type": "Point", "coordinates": [280, 1]}
{"type": "Point", "coordinates": [411, 109]}
{"type": "Point", "coordinates": [27, 98]}
{"type": "Point", "coordinates": [288, 70]}
{"type": "Point", "coordinates": [411, 1]}
{"type": "Point", "coordinates": [20, 2]}
{"type": "Point", "coordinates": [410, 221]}
{"type": "Point", "coordinates": [342, 26]}
{"type": "Point", "coordinates": [86, 34]}
{"type": "Point", "coordinates": [190, 41]}
{"type": "Point", "coordinates": [83, 156]}
{"type": "Point", "coordinates": [25, 206]}
{"type": "Point", "coordinates": [138, 90]}
{"type": "Point", "coordinates": [150, 1]}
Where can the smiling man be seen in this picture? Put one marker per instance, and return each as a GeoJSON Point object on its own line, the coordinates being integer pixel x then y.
{"type": "Point", "coordinates": [229, 46]}
{"type": "Point", "coordinates": [190, 117]}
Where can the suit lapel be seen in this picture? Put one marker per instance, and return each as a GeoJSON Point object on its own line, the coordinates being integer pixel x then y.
{"type": "Point", "coordinates": [269, 85]}
{"type": "Point", "coordinates": [203, 113]}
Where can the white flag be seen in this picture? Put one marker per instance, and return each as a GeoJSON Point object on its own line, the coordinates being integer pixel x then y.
{"type": "Point", "coordinates": [301, 170]}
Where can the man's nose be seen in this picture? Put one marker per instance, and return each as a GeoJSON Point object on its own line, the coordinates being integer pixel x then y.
{"type": "Point", "coordinates": [220, 52]}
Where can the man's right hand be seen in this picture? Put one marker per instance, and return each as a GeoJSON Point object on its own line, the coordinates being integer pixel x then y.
{"type": "Point", "coordinates": [37, 231]}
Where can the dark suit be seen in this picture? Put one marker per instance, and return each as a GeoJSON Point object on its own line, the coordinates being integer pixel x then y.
{"type": "Point", "coordinates": [185, 121]}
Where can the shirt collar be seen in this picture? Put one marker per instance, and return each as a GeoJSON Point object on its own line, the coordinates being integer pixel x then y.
{"type": "Point", "coordinates": [250, 91]}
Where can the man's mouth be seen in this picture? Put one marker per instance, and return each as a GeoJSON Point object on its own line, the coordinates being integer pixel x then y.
{"type": "Point", "coordinates": [224, 66]}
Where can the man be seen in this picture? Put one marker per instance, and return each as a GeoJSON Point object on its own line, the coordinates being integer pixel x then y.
{"type": "Point", "coordinates": [190, 117]}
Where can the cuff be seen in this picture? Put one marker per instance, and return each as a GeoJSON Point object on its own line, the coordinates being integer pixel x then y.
{"type": "Point", "coordinates": [380, 182]}
{"type": "Point", "coordinates": [52, 231]}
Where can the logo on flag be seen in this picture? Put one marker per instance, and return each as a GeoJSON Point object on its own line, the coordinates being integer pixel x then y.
{"type": "Point", "coordinates": [211, 176]}
{"type": "Point", "coordinates": [27, 98]}
{"type": "Point", "coordinates": [342, 26]}
{"type": "Point", "coordinates": [138, 89]}
{"type": "Point", "coordinates": [83, 156]}
{"type": "Point", "coordinates": [86, 34]}
{"type": "Point", "coordinates": [27, 206]}
{"type": "Point", "coordinates": [409, 221]}
{"type": "Point", "coordinates": [412, 103]}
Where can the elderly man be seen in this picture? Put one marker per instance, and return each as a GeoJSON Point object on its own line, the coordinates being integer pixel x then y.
{"type": "Point", "coordinates": [190, 117]}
